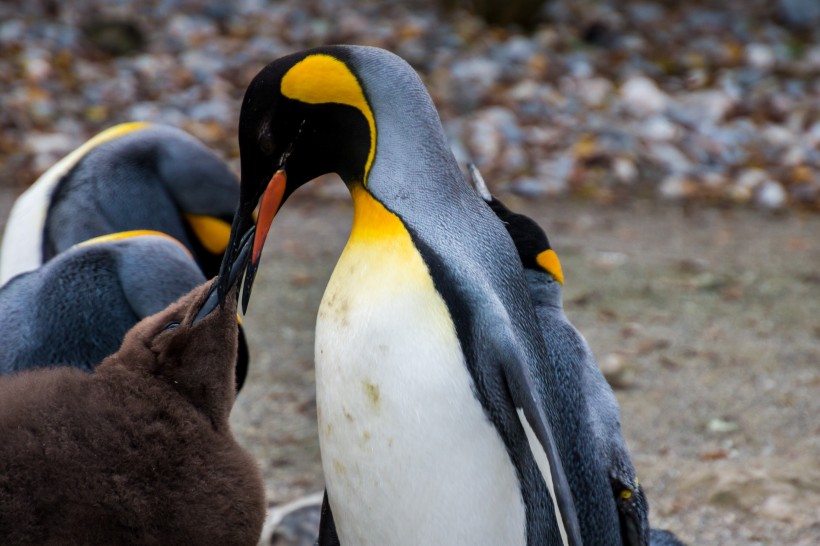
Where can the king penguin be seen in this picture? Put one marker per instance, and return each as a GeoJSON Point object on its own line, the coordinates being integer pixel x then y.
{"type": "Point", "coordinates": [75, 309]}
{"type": "Point", "coordinates": [438, 423]}
{"type": "Point", "coordinates": [138, 452]}
{"type": "Point", "coordinates": [132, 176]}
{"type": "Point", "coordinates": [571, 356]}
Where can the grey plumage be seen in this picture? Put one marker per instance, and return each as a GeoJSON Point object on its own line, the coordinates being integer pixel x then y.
{"type": "Point", "coordinates": [595, 402]}
{"type": "Point", "coordinates": [145, 176]}
{"type": "Point", "coordinates": [76, 308]}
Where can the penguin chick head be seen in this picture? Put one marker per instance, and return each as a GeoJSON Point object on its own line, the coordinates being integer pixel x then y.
{"type": "Point", "coordinates": [531, 242]}
{"type": "Point", "coordinates": [303, 115]}
{"type": "Point", "coordinates": [193, 356]}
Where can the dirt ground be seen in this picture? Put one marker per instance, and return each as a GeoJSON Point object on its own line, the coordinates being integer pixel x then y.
{"type": "Point", "coordinates": [706, 321]}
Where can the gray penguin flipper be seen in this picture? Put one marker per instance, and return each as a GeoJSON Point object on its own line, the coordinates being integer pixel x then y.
{"type": "Point", "coordinates": [539, 434]}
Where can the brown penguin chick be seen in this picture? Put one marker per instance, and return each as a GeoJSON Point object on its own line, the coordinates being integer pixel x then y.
{"type": "Point", "coordinates": [140, 451]}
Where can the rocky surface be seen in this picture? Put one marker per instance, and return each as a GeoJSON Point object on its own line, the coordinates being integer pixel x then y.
{"type": "Point", "coordinates": [706, 101]}
{"type": "Point", "coordinates": [705, 321]}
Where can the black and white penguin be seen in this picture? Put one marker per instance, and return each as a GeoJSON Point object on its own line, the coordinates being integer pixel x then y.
{"type": "Point", "coordinates": [138, 452]}
{"type": "Point", "coordinates": [571, 356]}
{"type": "Point", "coordinates": [129, 177]}
{"type": "Point", "coordinates": [75, 309]}
{"type": "Point", "coordinates": [438, 422]}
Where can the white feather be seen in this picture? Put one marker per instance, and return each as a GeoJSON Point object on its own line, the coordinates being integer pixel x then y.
{"type": "Point", "coordinates": [544, 466]}
{"type": "Point", "coordinates": [408, 453]}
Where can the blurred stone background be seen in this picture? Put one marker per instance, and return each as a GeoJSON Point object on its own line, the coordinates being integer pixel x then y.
{"type": "Point", "coordinates": [701, 101]}
{"type": "Point", "coordinates": [671, 149]}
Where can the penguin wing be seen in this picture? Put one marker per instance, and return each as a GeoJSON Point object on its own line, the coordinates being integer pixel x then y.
{"type": "Point", "coordinates": [327, 527]}
{"type": "Point", "coordinates": [518, 377]}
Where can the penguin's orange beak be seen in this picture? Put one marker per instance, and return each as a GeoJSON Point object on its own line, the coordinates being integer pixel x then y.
{"type": "Point", "coordinates": [269, 205]}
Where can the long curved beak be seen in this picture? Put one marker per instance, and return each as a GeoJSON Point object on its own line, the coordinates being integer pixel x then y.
{"type": "Point", "coordinates": [214, 299]}
{"type": "Point", "coordinates": [243, 227]}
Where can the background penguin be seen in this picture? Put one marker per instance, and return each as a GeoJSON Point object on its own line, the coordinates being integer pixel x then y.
{"type": "Point", "coordinates": [571, 355]}
{"type": "Point", "coordinates": [131, 176]}
{"type": "Point", "coordinates": [138, 452]}
{"type": "Point", "coordinates": [75, 309]}
{"type": "Point", "coordinates": [434, 427]}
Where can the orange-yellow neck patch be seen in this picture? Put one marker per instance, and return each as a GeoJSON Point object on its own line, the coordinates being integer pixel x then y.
{"type": "Point", "coordinates": [320, 79]}
{"type": "Point", "coordinates": [371, 220]}
{"type": "Point", "coordinates": [548, 260]}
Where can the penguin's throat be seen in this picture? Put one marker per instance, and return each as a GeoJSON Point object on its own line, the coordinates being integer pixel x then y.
{"type": "Point", "coordinates": [373, 223]}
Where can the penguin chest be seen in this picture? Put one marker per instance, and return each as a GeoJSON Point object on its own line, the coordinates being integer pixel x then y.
{"type": "Point", "coordinates": [408, 453]}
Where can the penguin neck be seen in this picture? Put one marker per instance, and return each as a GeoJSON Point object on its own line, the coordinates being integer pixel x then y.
{"type": "Point", "coordinates": [413, 171]}
{"type": "Point", "coordinates": [544, 290]}
{"type": "Point", "coordinates": [372, 221]}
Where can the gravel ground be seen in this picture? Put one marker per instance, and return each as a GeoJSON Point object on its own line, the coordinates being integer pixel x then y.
{"type": "Point", "coordinates": [704, 315]}
{"type": "Point", "coordinates": [704, 101]}
{"type": "Point", "coordinates": [705, 321]}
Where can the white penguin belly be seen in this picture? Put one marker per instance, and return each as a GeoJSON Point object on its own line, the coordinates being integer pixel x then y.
{"type": "Point", "coordinates": [409, 455]}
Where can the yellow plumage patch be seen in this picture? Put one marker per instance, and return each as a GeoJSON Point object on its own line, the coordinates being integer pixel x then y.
{"type": "Point", "coordinates": [115, 132]}
{"type": "Point", "coordinates": [372, 221]}
{"type": "Point", "coordinates": [548, 260]}
{"type": "Point", "coordinates": [320, 79]}
{"type": "Point", "coordinates": [120, 235]}
{"type": "Point", "coordinates": [213, 233]}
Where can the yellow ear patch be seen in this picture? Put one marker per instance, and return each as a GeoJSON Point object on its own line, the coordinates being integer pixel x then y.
{"type": "Point", "coordinates": [120, 235]}
{"type": "Point", "coordinates": [213, 233]}
{"type": "Point", "coordinates": [548, 260]}
{"type": "Point", "coordinates": [320, 79]}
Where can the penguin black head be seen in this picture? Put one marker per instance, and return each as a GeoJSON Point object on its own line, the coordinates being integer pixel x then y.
{"type": "Point", "coordinates": [530, 240]}
{"type": "Point", "coordinates": [303, 115]}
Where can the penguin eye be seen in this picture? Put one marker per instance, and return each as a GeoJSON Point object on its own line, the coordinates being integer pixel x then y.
{"type": "Point", "coordinates": [173, 325]}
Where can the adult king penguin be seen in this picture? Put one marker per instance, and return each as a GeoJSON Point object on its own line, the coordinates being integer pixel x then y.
{"type": "Point", "coordinates": [583, 383]}
{"type": "Point", "coordinates": [435, 412]}
{"type": "Point", "coordinates": [129, 177]}
{"type": "Point", "coordinates": [75, 309]}
{"type": "Point", "coordinates": [572, 357]}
